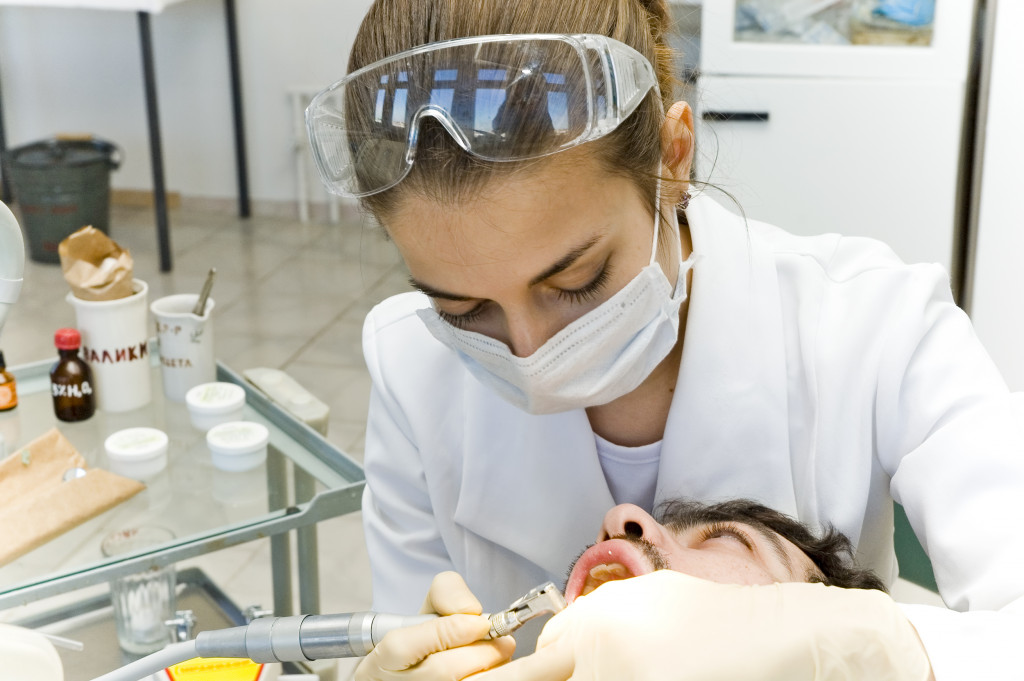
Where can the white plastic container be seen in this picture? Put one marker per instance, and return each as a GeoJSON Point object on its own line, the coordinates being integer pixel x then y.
{"type": "Point", "coordinates": [238, 446]}
{"type": "Point", "coordinates": [211, 404]}
{"type": "Point", "coordinates": [138, 453]}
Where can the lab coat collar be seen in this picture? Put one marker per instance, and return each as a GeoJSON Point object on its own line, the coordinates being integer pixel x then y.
{"type": "Point", "coordinates": [730, 407]}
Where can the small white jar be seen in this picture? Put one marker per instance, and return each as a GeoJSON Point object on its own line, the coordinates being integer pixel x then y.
{"type": "Point", "coordinates": [210, 404]}
{"type": "Point", "coordinates": [238, 446]}
{"type": "Point", "coordinates": [137, 453]}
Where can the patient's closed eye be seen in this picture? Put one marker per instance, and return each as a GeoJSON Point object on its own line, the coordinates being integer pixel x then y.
{"type": "Point", "coordinates": [725, 531]}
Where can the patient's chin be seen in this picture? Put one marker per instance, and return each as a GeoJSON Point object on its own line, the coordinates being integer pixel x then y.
{"type": "Point", "coordinates": [605, 562]}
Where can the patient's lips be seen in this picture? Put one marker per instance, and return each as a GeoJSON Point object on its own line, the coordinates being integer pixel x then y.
{"type": "Point", "coordinates": [605, 562]}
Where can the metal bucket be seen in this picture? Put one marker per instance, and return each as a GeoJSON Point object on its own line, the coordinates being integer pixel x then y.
{"type": "Point", "coordinates": [60, 186]}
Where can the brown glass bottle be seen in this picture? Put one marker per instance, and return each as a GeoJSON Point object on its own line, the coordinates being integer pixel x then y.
{"type": "Point", "coordinates": [71, 379]}
{"type": "Point", "coordinates": [8, 387]}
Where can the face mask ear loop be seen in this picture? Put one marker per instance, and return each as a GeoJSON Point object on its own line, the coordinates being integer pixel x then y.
{"type": "Point", "coordinates": [657, 221]}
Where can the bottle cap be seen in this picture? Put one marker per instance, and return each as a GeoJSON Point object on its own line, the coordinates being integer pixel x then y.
{"type": "Point", "coordinates": [67, 339]}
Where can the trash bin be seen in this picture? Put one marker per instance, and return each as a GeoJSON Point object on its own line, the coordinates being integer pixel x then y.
{"type": "Point", "coordinates": [61, 185]}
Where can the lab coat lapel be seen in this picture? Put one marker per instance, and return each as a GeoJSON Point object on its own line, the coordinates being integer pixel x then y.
{"type": "Point", "coordinates": [517, 480]}
{"type": "Point", "coordinates": [729, 414]}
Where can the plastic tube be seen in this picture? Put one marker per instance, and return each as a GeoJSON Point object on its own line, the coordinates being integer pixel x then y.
{"type": "Point", "coordinates": [151, 664]}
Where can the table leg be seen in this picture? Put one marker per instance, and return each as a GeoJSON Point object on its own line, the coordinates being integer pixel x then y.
{"type": "Point", "coordinates": [306, 544]}
{"type": "Point", "coordinates": [5, 185]}
{"type": "Point", "coordinates": [280, 544]}
{"type": "Point", "coordinates": [241, 162]}
{"type": "Point", "coordinates": [155, 146]}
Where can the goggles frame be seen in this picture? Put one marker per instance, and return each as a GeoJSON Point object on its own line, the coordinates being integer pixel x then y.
{"type": "Point", "coordinates": [615, 80]}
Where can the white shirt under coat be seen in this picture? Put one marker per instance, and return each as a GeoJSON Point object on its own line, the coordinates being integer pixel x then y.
{"type": "Point", "coordinates": [820, 376]}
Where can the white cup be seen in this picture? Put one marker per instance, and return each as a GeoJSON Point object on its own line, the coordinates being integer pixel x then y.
{"type": "Point", "coordinates": [186, 344]}
{"type": "Point", "coordinates": [116, 347]}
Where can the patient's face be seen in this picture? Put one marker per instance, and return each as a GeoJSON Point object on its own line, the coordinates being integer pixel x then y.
{"type": "Point", "coordinates": [632, 543]}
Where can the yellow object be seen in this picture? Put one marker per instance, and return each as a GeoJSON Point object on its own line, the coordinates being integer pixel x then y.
{"type": "Point", "coordinates": [215, 669]}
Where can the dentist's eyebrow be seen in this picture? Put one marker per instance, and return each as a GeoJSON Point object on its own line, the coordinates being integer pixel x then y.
{"type": "Point", "coordinates": [560, 266]}
{"type": "Point", "coordinates": [566, 262]}
{"type": "Point", "coordinates": [437, 293]}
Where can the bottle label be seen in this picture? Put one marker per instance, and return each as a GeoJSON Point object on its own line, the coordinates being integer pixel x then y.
{"type": "Point", "coordinates": [71, 390]}
{"type": "Point", "coordinates": [8, 398]}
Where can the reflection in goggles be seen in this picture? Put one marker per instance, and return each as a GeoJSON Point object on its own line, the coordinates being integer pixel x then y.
{"type": "Point", "coordinates": [497, 102]}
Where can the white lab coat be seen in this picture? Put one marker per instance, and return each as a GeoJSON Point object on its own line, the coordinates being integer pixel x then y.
{"type": "Point", "coordinates": [820, 376]}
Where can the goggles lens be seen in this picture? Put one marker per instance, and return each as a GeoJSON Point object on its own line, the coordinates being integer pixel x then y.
{"type": "Point", "coordinates": [501, 98]}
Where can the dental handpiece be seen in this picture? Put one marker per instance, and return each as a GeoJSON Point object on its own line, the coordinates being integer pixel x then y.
{"type": "Point", "coordinates": [304, 638]}
{"type": "Point", "coordinates": [315, 637]}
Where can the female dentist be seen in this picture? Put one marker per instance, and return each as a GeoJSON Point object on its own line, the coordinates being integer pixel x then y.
{"type": "Point", "coordinates": [587, 333]}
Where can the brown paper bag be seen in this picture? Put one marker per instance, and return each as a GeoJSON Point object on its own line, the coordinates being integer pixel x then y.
{"type": "Point", "coordinates": [37, 505]}
{"type": "Point", "coordinates": [94, 266]}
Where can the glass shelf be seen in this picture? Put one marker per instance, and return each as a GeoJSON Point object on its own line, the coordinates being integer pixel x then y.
{"type": "Point", "coordinates": [304, 480]}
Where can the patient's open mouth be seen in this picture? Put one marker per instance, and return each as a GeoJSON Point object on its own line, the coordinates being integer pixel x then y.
{"type": "Point", "coordinates": [605, 562]}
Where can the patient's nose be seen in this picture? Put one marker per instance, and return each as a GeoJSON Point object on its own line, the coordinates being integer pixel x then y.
{"type": "Point", "coordinates": [629, 520]}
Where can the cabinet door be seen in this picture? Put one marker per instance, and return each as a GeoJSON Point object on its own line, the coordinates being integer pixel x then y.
{"type": "Point", "coordinates": [997, 299]}
{"type": "Point", "coordinates": [943, 55]}
{"type": "Point", "coordinates": [858, 157]}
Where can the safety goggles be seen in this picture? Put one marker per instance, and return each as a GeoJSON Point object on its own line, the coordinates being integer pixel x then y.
{"type": "Point", "coordinates": [500, 97]}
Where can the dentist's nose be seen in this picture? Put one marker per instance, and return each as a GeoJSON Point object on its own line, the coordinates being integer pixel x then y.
{"type": "Point", "coordinates": [628, 520]}
{"type": "Point", "coordinates": [526, 333]}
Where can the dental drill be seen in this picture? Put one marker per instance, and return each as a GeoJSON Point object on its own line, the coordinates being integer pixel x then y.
{"type": "Point", "coordinates": [304, 638]}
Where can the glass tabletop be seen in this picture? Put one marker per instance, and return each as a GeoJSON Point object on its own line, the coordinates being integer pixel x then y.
{"type": "Point", "coordinates": [205, 508]}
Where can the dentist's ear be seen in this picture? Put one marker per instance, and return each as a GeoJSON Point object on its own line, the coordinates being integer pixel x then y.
{"type": "Point", "coordinates": [677, 143]}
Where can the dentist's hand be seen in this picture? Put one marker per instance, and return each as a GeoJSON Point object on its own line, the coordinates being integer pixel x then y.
{"type": "Point", "coordinates": [447, 648]}
{"type": "Point", "coordinates": [670, 626]}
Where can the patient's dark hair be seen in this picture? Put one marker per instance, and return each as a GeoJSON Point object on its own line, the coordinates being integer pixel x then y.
{"type": "Point", "coordinates": [831, 552]}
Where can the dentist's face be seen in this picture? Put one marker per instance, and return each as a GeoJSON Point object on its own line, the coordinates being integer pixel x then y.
{"type": "Point", "coordinates": [534, 251]}
{"type": "Point", "coordinates": [632, 543]}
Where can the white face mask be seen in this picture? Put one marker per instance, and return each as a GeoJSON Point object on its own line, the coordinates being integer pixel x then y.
{"type": "Point", "coordinates": [603, 355]}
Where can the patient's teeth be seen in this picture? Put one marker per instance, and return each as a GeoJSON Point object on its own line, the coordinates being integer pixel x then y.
{"type": "Point", "coordinates": [607, 572]}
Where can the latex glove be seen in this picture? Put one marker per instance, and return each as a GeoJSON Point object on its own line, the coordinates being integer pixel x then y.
{"type": "Point", "coordinates": [447, 648]}
{"type": "Point", "coordinates": [670, 626]}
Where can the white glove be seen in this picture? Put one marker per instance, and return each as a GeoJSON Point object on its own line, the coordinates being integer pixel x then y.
{"type": "Point", "coordinates": [668, 626]}
{"type": "Point", "coordinates": [447, 648]}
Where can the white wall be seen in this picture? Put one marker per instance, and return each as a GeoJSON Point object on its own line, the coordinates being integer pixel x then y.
{"type": "Point", "coordinates": [70, 70]}
{"type": "Point", "coordinates": [997, 305]}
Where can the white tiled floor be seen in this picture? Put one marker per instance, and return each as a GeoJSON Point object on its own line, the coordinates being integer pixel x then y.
{"type": "Point", "coordinates": [288, 296]}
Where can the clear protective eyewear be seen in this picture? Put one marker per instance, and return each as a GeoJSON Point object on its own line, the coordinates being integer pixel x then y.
{"type": "Point", "coordinates": [500, 97]}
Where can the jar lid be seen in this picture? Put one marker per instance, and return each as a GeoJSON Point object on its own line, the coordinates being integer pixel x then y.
{"type": "Point", "coordinates": [238, 437]}
{"type": "Point", "coordinates": [136, 443]}
{"type": "Point", "coordinates": [215, 398]}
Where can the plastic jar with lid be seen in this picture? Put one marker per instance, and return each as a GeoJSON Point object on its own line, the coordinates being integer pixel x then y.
{"type": "Point", "coordinates": [210, 404]}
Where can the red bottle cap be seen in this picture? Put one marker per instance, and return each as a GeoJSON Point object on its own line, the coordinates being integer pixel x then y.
{"type": "Point", "coordinates": [67, 339]}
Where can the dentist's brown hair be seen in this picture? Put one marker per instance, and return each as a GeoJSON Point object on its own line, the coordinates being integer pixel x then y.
{"type": "Point", "coordinates": [444, 172]}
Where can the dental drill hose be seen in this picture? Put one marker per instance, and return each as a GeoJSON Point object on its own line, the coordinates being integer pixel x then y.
{"type": "Point", "coordinates": [302, 638]}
